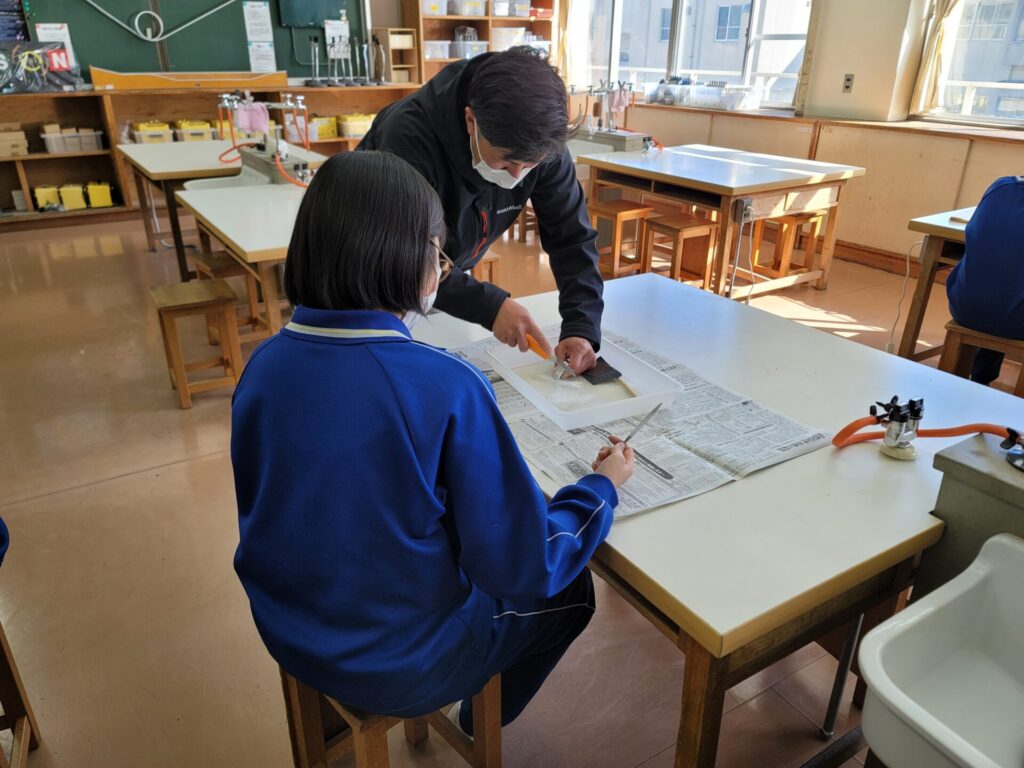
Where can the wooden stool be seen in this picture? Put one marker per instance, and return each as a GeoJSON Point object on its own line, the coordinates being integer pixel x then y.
{"type": "Point", "coordinates": [322, 730]}
{"type": "Point", "coordinates": [18, 716]}
{"type": "Point", "coordinates": [677, 230]}
{"type": "Point", "coordinates": [220, 265]}
{"type": "Point", "coordinates": [787, 242]}
{"type": "Point", "coordinates": [215, 299]}
{"type": "Point", "coordinates": [962, 343]}
{"type": "Point", "coordinates": [618, 212]}
{"type": "Point", "coordinates": [526, 222]}
{"type": "Point", "coordinates": [486, 270]}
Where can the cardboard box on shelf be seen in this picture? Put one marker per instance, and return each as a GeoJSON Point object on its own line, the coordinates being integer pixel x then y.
{"type": "Point", "coordinates": [99, 194]}
{"type": "Point", "coordinates": [51, 128]}
{"type": "Point", "coordinates": [72, 197]}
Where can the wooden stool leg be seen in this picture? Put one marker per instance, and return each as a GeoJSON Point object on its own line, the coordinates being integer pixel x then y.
{"type": "Point", "coordinates": [709, 264]}
{"type": "Point", "coordinates": [1018, 388]}
{"type": "Point", "coordinates": [167, 350]}
{"type": "Point", "coordinates": [231, 350]}
{"type": "Point", "coordinates": [371, 748]}
{"type": "Point", "coordinates": [416, 730]}
{"type": "Point", "coordinates": [521, 222]}
{"type": "Point", "coordinates": [758, 235]}
{"type": "Point", "coordinates": [616, 244]}
{"type": "Point", "coordinates": [647, 249]}
{"type": "Point", "coordinates": [177, 359]}
{"type": "Point", "coordinates": [784, 247]}
{"type": "Point", "coordinates": [950, 352]}
{"type": "Point", "coordinates": [811, 243]}
{"type": "Point", "coordinates": [487, 725]}
{"type": "Point", "coordinates": [678, 243]}
{"type": "Point", "coordinates": [204, 241]}
{"type": "Point", "coordinates": [252, 292]}
{"type": "Point", "coordinates": [305, 727]}
{"type": "Point", "coordinates": [15, 703]}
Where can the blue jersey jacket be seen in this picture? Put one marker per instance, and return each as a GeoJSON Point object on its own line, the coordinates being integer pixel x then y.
{"type": "Point", "coordinates": [986, 289]}
{"type": "Point", "coordinates": [384, 508]}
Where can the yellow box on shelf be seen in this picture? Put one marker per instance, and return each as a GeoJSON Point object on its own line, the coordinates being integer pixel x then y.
{"type": "Point", "coordinates": [99, 194]}
{"type": "Point", "coordinates": [46, 195]}
{"type": "Point", "coordinates": [326, 127]}
{"type": "Point", "coordinates": [72, 197]}
{"type": "Point", "coordinates": [355, 126]}
{"type": "Point", "coordinates": [152, 132]}
{"type": "Point", "coordinates": [193, 130]}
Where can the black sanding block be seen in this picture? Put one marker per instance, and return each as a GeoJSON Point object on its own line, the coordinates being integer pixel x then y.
{"type": "Point", "coordinates": [601, 373]}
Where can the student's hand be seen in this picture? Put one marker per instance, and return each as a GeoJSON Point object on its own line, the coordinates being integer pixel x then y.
{"type": "Point", "coordinates": [513, 322]}
{"type": "Point", "coordinates": [577, 352]}
{"type": "Point", "coordinates": [615, 462]}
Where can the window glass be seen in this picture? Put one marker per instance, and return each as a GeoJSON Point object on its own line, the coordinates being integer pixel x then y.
{"type": "Point", "coordinates": [982, 63]}
{"type": "Point", "coordinates": [644, 40]}
{"type": "Point", "coordinates": [728, 27]}
{"type": "Point", "coordinates": [666, 24]}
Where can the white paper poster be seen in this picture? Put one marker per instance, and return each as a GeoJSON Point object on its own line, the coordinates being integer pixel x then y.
{"type": "Point", "coordinates": [262, 58]}
{"type": "Point", "coordinates": [258, 27]}
{"type": "Point", "coordinates": [56, 33]}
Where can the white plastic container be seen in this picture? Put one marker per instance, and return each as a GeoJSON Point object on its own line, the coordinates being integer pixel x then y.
{"type": "Point", "coordinates": [434, 7]}
{"type": "Point", "coordinates": [741, 97]}
{"type": "Point", "coordinates": [519, 8]}
{"type": "Point", "coordinates": [437, 49]}
{"type": "Point", "coordinates": [503, 38]}
{"type": "Point", "coordinates": [500, 7]}
{"type": "Point", "coordinates": [82, 141]}
{"type": "Point", "coordinates": [468, 49]}
{"type": "Point", "coordinates": [467, 8]}
{"type": "Point", "coordinates": [153, 137]}
{"type": "Point", "coordinates": [651, 386]}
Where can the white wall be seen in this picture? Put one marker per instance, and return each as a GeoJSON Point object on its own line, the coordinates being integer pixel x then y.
{"type": "Point", "coordinates": [879, 42]}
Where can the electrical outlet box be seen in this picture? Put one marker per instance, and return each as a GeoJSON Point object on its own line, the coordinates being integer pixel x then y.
{"type": "Point", "coordinates": [847, 83]}
{"type": "Point", "coordinates": [740, 206]}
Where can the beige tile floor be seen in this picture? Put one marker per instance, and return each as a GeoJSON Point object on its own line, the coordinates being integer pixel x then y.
{"type": "Point", "coordinates": [118, 596]}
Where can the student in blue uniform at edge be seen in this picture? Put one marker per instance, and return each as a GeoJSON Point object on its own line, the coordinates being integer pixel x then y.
{"type": "Point", "coordinates": [986, 288]}
{"type": "Point", "coordinates": [395, 549]}
{"type": "Point", "coordinates": [490, 134]}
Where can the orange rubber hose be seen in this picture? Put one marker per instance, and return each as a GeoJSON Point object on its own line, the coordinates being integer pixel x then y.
{"type": "Point", "coordinates": [296, 182]}
{"type": "Point", "coordinates": [847, 435]}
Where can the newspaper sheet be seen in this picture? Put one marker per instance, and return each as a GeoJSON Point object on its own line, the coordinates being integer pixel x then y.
{"type": "Point", "coordinates": [707, 437]}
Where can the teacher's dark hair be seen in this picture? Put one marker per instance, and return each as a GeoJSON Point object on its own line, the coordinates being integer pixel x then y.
{"type": "Point", "coordinates": [520, 103]}
{"type": "Point", "coordinates": [362, 237]}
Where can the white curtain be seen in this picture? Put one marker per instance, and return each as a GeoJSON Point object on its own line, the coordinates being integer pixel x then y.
{"type": "Point", "coordinates": [927, 88]}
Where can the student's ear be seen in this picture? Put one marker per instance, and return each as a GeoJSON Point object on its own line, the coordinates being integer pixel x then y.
{"type": "Point", "coordinates": [470, 121]}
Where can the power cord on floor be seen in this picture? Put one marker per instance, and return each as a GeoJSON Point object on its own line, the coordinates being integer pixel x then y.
{"type": "Point", "coordinates": [889, 345]}
{"type": "Point", "coordinates": [747, 218]}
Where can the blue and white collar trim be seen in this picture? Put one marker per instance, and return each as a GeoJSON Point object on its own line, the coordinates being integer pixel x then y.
{"type": "Point", "coordinates": [347, 325]}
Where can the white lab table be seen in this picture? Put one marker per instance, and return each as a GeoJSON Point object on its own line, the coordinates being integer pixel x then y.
{"type": "Point", "coordinates": [716, 178]}
{"type": "Point", "coordinates": [745, 574]}
{"type": "Point", "coordinates": [943, 247]}
{"type": "Point", "coordinates": [255, 225]}
{"type": "Point", "coordinates": [169, 166]}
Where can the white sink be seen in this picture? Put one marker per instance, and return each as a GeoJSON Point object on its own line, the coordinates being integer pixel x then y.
{"type": "Point", "coordinates": [946, 676]}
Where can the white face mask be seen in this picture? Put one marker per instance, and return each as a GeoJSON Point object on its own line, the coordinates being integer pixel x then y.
{"type": "Point", "coordinates": [426, 302]}
{"type": "Point", "coordinates": [501, 177]}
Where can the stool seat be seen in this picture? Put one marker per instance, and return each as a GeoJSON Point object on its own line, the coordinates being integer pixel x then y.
{"type": "Point", "coordinates": [322, 729]}
{"type": "Point", "coordinates": [487, 269]}
{"type": "Point", "coordinates": [217, 264]}
{"type": "Point", "coordinates": [210, 297]}
{"type": "Point", "coordinates": [682, 221]}
{"type": "Point", "coordinates": [195, 293]}
{"type": "Point", "coordinates": [610, 208]}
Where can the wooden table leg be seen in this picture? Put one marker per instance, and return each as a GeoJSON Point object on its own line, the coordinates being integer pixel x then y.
{"type": "Point", "coordinates": [723, 250]}
{"type": "Point", "coordinates": [169, 188]}
{"type": "Point", "coordinates": [828, 245]}
{"type": "Point", "coordinates": [144, 207]}
{"type": "Point", "coordinates": [268, 282]}
{"type": "Point", "coordinates": [931, 249]}
{"type": "Point", "coordinates": [704, 686]}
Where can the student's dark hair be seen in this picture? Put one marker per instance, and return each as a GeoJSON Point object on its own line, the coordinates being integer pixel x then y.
{"type": "Point", "coordinates": [520, 103]}
{"type": "Point", "coordinates": [362, 237]}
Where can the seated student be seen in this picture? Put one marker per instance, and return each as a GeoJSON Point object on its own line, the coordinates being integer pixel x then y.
{"type": "Point", "coordinates": [986, 289]}
{"type": "Point", "coordinates": [395, 549]}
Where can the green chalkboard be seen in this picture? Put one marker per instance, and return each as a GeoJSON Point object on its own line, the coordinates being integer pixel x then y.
{"type": "Point", "coordinates": [215, 44]}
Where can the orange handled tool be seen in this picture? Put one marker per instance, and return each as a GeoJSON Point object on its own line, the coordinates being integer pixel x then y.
{"type": "Point", "coordinates": [562, 369]}
{"type": "Point", "coordinates": [536, 348]}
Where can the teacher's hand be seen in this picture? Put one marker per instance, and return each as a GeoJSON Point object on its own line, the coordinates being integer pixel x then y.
{"type": "Point", "coordinates": [513, 322]}
{"type": "Point", "coordinates": [577, 352]}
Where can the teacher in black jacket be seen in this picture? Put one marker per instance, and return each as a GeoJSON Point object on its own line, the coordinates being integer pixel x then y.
{"type": "Point", "coordinates": [490, 134]}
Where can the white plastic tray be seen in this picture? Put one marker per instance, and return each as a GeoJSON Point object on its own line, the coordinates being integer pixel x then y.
{"type": "Point", "coordinates": [652, 386]}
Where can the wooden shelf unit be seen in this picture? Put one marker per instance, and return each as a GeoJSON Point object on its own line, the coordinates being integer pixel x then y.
{"type": "Point", "coordinates": [432, 28]}
{"type": "Point", "coordinates": [111, 111]}
{"type": "Point", "coordinates": [401, 53]}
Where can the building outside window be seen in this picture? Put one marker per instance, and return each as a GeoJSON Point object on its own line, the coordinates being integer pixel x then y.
{"type": "Point", "coordinates": [983, 63]}
{"type": "Point", "coordinates": [666, 24]}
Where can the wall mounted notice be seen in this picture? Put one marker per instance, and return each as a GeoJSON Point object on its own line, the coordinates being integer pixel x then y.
{"type": "Point", "coordinates": [259, 30]}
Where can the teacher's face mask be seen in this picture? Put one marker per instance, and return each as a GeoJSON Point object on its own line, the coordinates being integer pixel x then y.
{"type": "Point", "coordinates": [498, 176]}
